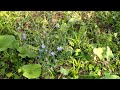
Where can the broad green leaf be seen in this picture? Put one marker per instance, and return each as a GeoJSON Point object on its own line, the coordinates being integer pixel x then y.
{"type": "Point", "coordinates": [25, 52]}
{"type": "Point", "coordinates": [14, 44]}
{"type": "Point", "coordinates": [64, 71]}
{"type": "Point", "coordinates": [31, 71]}
{"type": "Point", "coordinates": [98, 52]}
{"type": "Point", "coordinates": [5, 41]}
{"type": "Point", "coordinates": [9, 74]}
{"type": "Point", "coordinates": [111, 77]}
{"type": "Point", "coordinates": [107, 74]}
{"type": "Point", "coordinates": [109, 53]}
{"type": "Point", "coordinates": [114, 77]}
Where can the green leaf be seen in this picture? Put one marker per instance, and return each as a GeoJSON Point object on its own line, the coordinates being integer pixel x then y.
{"type": "Point", "coordinates": [14, 44]}
{"type": "Point", "coordinates": [6, 41]}
{"type": "Point", "coordinates": [32, 47]}
{"type": "Point", "coordinates": [77, 50]}
{"type": "Point", "coordinates": [111, 77]}
{"type": "Point", "coordinates": [9, 74]}
{"type": "Point", "coordinates": [91, 66]}
{"type": "Point", "coordinates": [109, 53]}
{"type": "Point", "coordinates": [99, 73]}
{"type": "Point", "coordinates": [56, 36]}
{"type": "Point", "coordinates": [64, 71]}
{"type": "Point", "coordinates": [114, 77]}
{"type": "Point", "coordinates": [76, 54]}
{"type": "Point", "coordinates": [72, 20]}
{"type": "Point", "coordinates": [98, 52]}
{"type": "Point", "coordinates": [69, 49]}
{"type": "Point", "coordinates": [25, 52]}
{"type": "Point", "coordinates": [115, 34]}
{"type": "Point", "coordinates": [107, 74]}
{"type": "Point", "coordinates": [31, 71]}
{"type": "Point", "coordinates": [19, 70]}
{"type": "Point", "coordinates": [71, 43]}
{"type": "Point", "coordinates": [63, 27]}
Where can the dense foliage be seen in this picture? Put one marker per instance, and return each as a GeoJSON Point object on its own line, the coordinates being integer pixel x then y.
{"type": "Point", "coordinates": [59, 44]}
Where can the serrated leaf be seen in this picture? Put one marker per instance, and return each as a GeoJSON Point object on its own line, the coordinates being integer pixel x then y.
{"type": "Point", "coordinates": [109, 53]}
{"type": "Point", "coordinates": [31, 71]}
{"type": "Point", "coordinates": [98, 52]}
{"type": "Point", "coordinates": [5, 41]}
{"type": "Point", "coordinates": [64, 71]}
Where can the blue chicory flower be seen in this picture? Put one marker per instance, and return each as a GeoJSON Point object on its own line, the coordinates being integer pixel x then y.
{"type": "Point", "coordinates": [57, 25]}
{"type": "Point", "coordinates": [24, 36]}
{"type": "Point", "coordinates": [45, 32]}
{"type": "Point", "coordinates": [59, 48]}
{"type": "Point", "coordinates": [52, 53]}
{"type": "Point", "coordinates": [40, 50]}
{"type": "Point", "coordinates": [43, 46]}
{"type": "Point", "coordinates": [39, 56]}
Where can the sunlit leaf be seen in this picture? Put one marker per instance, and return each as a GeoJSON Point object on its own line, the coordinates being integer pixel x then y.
{"type": "Point", "coordinates": [109, 53]}
{"type": "Point", "coordinates": [115, 34]}
{"type": "Point", "coordinates": [31, 71]}
{"type": "Point", "coordinates": [98, 52]}
{"type": "Point", "coordinates": [9, 74]}
{"type": "Point", "coordinates": [64, 71]}
{"type": "Point", "coordinates": [72, 20]}
{"type": "Point", "coordinates": [71, 43]}
{"type": "Point", "coordinates": [91, 66]}
{"type": "Point", "coordinates": [77, 50]}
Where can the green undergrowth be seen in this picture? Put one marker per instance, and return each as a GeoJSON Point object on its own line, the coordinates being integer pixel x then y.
{"type": "Point", "coordinates": [59, 44]}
